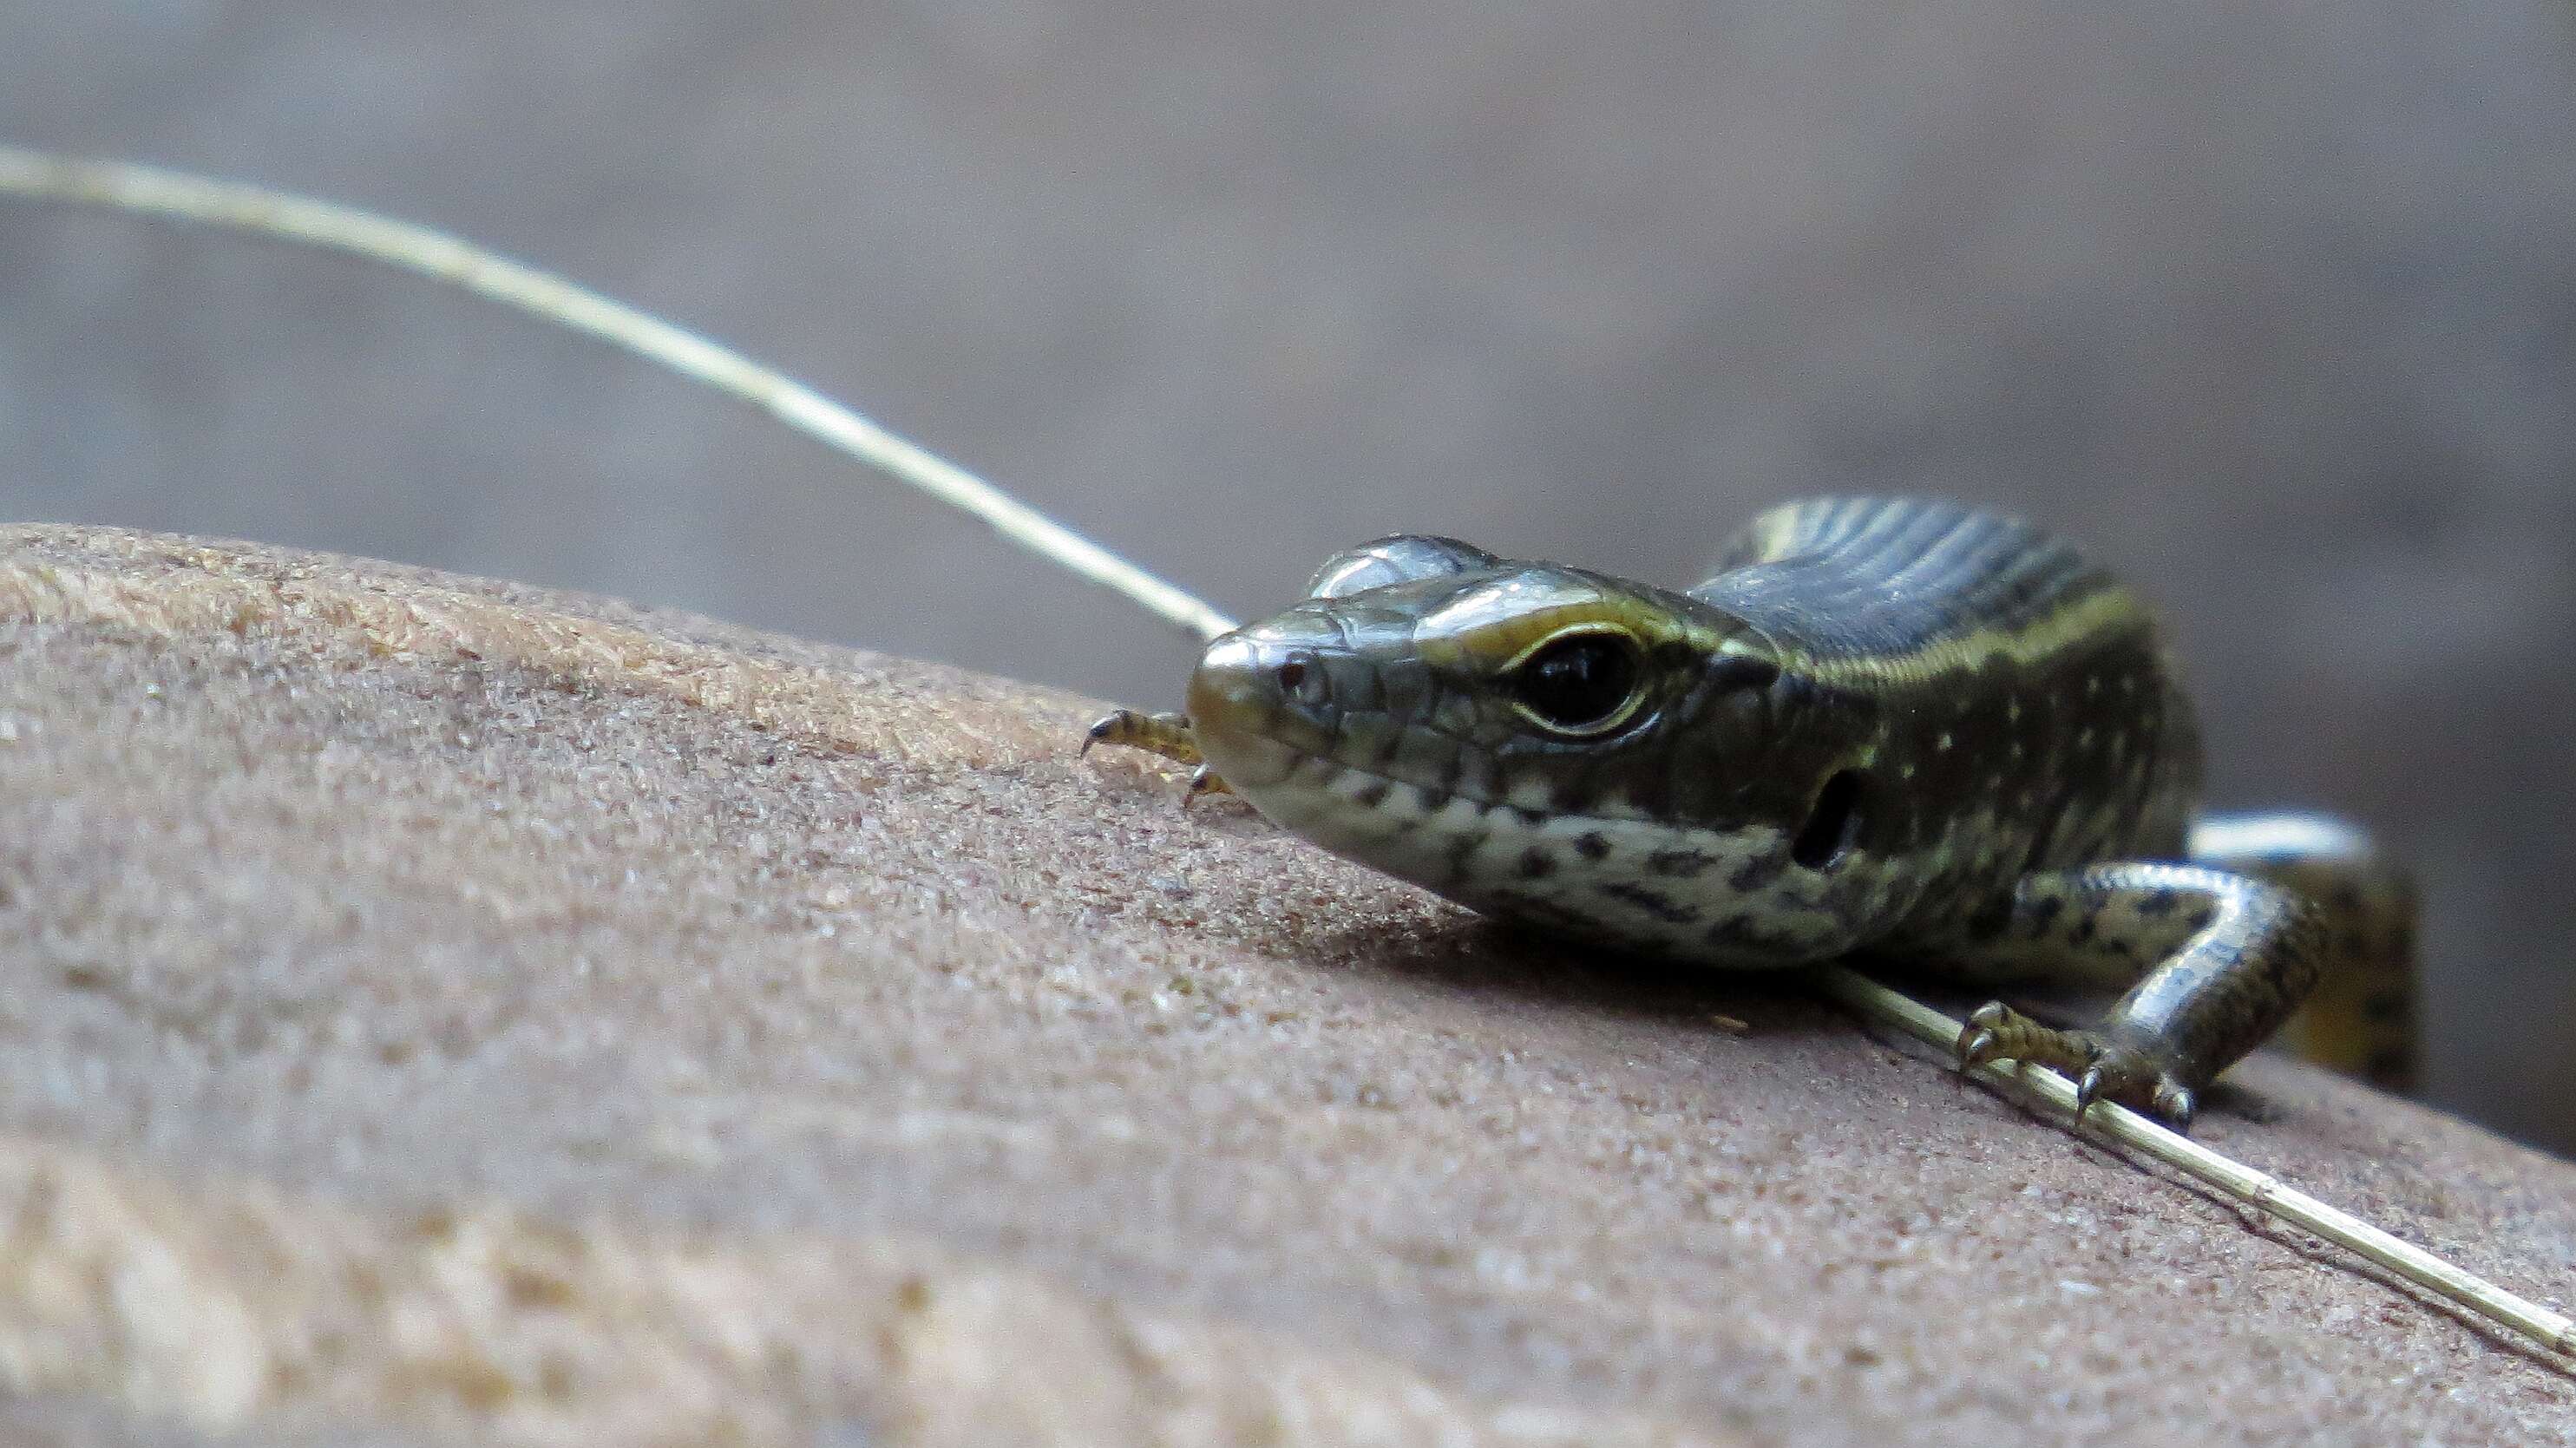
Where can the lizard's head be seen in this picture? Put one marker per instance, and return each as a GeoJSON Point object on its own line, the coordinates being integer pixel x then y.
{"type": "Point", "coordinates": [1534, 741]}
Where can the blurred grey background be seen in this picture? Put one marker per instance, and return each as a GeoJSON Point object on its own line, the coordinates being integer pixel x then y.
{"type": "Point", "coordinates": [2275, 304]}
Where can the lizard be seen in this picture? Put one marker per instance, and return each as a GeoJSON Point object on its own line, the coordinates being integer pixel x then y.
{"type": "Point", "coordinates": [1914, 732]}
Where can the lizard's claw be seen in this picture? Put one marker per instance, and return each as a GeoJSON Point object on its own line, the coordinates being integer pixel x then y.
{"type": "Point", "coordinates": [1980, 1040]}
{"type": "Point", "coordinates": [1976, 1047]}
{"type": "Point", "coordinates": [2085, 1090]}
{"type": "Point", "coordinates": [1102, 731]}
{"type": "Point", "coordinates": [1203, 780]}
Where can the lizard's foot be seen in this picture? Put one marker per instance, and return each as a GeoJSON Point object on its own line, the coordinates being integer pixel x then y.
{"type": "Point", "coordinates": [2101, 1068]}
{"type": "Point", "coordinates": [1165, 734]}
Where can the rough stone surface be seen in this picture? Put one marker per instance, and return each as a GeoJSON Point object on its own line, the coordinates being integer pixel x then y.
{"type": "Point", "coordinates": [440, 1011]}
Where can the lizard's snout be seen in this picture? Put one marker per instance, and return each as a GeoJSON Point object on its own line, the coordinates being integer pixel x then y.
{"type": "Point", "coordinates": [1259, 698]}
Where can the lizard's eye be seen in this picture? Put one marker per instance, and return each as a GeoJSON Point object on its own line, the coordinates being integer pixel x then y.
{"type": "Point", "coordinates": [1579, 683]}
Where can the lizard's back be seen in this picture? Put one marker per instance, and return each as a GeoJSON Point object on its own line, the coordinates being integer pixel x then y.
{"type": "Point", "coordinates": [2026, 714]}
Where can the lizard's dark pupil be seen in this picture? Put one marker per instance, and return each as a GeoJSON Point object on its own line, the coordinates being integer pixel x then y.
{"type": "Point", "coordinates": [1578, 682]}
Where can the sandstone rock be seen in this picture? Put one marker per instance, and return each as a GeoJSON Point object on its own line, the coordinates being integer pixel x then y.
{"type": "Point", "coordinates": [443, 1011]}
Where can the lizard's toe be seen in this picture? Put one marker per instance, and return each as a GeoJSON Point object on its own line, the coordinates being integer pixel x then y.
{"type": "Point", "coordinates": [1997, 1032]}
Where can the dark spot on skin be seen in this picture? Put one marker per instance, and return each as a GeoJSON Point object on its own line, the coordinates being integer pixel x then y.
{"type": "Point", "coordinates": [1371, 794]}
{"type": "Point", "coordinates": [1531, 817]}
{"type": "Point", "coordinates": [2159, 902]}
{"type": "Point", "coordinates": [1689, 863]}
{"type": "Point", "coordinates": [2083, 931]}
{"type": "Point", "coordinates": [2199, 919]}
{"type": "Point", "coordinates": [1757, 872]}
{"type": "Point", "coordinates": [1537, 864]}
{"type": "Point", "coordinates": [1738, 931]}
{"type": "Point", "coordinates": [1661, 907]}
{"type": "Point", "coordinates": [1462, 849]}
{"type": "Point", "coordinates": [2044, 912]}
{"type": "Point", "coordinates": [1592, 845]}
{"type": "Point", "coordinates": [1990, 922]}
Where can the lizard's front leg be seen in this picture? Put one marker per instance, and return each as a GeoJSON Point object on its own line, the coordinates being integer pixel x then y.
{"type": "Point", "coordinates": [2227, 959]}
{"type": "Point", "coordinates": [1165, 734]}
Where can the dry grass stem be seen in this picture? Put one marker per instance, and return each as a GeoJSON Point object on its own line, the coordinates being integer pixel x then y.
{"type": "Point", "coordinates": [445, 258]}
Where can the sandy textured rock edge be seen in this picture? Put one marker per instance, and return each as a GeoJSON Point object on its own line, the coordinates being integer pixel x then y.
{"type": "Point", "coordinates": [453, 1009]}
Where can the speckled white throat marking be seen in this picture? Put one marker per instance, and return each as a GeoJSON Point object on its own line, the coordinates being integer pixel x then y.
{"type": "Point", "coordinates": [1712, 897]}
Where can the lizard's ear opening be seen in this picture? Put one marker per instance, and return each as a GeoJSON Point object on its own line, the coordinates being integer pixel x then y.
{"type": "Point", "coordinates": [1833, 823]}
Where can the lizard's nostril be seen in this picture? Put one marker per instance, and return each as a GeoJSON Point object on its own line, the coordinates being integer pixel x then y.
{"type": "Point", "coordinates": [1302, 680]}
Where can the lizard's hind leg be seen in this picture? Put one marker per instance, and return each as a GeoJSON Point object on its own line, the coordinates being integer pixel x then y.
{"type": "Point", "coordinates": [2362, 1019]}
{"type": "Point", "coordinates": [2225, 959]}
